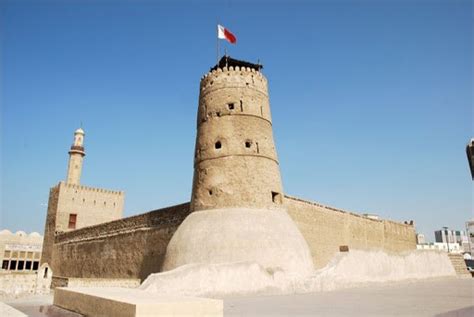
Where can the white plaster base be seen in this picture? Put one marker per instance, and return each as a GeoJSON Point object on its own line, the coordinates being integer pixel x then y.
{"type": "Point", "coordinates": [126, 302]}
{"type": "Point", "coordinates": [267, 237]}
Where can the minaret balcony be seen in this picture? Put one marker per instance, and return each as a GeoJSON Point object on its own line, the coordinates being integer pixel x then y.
{"type": "Point", "coordinates": [77, 149]}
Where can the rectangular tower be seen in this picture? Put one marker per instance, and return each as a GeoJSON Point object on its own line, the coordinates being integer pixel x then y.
{"type": "Point", "coordinates": [73, 206]}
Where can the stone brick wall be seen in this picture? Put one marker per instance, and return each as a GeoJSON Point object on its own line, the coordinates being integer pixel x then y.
{"type": "Point", "coordinates": [91, 205]}
{"type": "Point", "coordinates": [50, 225]}
{"type": "Point", "coordinates": [134, 247]}
{"type": "Point", "coordinates": [326, 229]}
{"type": "Point", "coordinates": [130, 247]}
{"type": "Point", "coordinates": [235, 163]}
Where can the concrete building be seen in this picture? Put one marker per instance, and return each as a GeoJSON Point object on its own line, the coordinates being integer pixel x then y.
{"type": "Point", "coordinates": [20, 251]}
{"type": "Point", "coordinates": [73, 206]}
{"type": "Point", "coordinates": [457, 239]}
{"type": "Point", "coordinates": [470, 235]}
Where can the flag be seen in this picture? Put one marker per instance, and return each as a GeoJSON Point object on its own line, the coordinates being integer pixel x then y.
{"type": "Point", "coordinates": [225, 34]}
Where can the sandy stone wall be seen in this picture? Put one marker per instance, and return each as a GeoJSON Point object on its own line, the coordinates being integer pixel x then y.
{"type": "Point", "coordinates": [134, 247]}
{"type": "Point", "coordinates": [131, 247]}
{"type": "Point", "coordinates": [50, 225]}
{"type": "Point", "coordinates": [14, 284]}
{"type": "Point", "coordinates": [90, 205]}
{"type": "Point", "coordinates": [326, 229]}
{"type": "Point", "coordinates": [235, 164]}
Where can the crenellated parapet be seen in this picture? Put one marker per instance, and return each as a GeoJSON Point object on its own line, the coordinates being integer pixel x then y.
{"type": "Point", "coordinates": [88, 189]}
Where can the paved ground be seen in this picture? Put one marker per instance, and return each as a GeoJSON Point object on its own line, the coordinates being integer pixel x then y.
{"type": "Point", "coordinates": [442, 298]}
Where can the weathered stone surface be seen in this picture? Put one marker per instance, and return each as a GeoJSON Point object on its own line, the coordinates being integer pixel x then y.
{"type": "Point", "coordinates": [235, 163]}
{"type": "Point", "coordinates": [131, 247]}
{"type": "Point", "coordinates": [269, 238]}
{"type": "Point", "coordinates": [124, 302]}
{"type": "Point", "coordinates": [326, 228]}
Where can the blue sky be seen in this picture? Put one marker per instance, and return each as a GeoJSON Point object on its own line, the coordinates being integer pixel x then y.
{"type": "Point", "coordinates": [371, 100]}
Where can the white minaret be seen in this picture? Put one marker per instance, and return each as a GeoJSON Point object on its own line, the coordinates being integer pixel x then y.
{"type": "Point", "coordinates": [76, 155]}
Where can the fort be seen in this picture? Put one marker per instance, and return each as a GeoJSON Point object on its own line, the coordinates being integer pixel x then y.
{"type": "Point", "coordinates": [235, 166]}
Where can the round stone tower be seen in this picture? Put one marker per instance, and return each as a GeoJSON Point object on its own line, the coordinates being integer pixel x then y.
{"type": "Point", "coordinates": [235, 162]}
{"type": "Point", "coordinates": [238, 211]}
{"type": "Point", "coordinates": [76, 156]}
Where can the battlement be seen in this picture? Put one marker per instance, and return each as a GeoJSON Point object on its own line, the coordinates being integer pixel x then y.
{"type": "Point", "coordinates": [90, 189]}
{"type": "Point", "coordinates": [351, 213]}
{"type": "Point", "coordinates": [234, 77]}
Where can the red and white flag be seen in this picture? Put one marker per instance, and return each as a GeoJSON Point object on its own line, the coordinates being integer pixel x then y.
{"type": "Point", "coordinates": [225, 34]}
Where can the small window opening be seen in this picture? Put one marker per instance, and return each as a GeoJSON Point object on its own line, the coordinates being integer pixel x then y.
{"type": "Point", "coordinates": [276, 197]}
{"type": "Point", "coordinates": [13, 265]}
{"type": "Point", "coordinates": [261, 111]}
{"type": "Point", "coordinates": [230, 106]}
{"type": "Point", "coordinates": [210, 192]}
{"type": "Point", "coordinates": [28, 265]}
{"type": "Point", "coordinates": [258, 149]}
{"type": "Point", "coordinates": [35, 266]}
{"type": "Point", "coordinates": [241, 106]}
{"type": "Point", "coordinates": [45, 275]}
{"type": "Point", "coordinates": [218, 113]}
{"type": "Point", "coordinates": [72, 221]}
{"type": "Point", "coordinates": [5, 265]}
{"type": "Point", "coordinates": [218, 145]}
{"type": "Point", "coordinates": [248, 144]}
{"type": "Point", "coordinates": [21, 265]}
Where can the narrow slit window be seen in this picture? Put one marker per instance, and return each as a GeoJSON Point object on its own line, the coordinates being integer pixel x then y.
{"type": "Point", "coordinates": [72, 221]}
{"type": "Point", "coordinates": [241, 106]}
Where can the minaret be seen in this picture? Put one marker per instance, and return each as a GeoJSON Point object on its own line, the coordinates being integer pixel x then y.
{"type": "Point", "coordinates": [235, 163]}
{"type": "Point", "coordinates": [76, 155]}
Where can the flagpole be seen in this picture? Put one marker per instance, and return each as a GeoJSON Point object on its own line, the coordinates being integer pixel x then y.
{"type": "Point", "coordinates": [217, 42]}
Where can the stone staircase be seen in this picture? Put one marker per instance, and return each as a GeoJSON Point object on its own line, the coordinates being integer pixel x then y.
{"type": "Point", "coordinates": [459, 265]}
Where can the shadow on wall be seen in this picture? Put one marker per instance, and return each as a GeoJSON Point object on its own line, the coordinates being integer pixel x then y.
{"type": "Point", "coordinates": [154, 245]}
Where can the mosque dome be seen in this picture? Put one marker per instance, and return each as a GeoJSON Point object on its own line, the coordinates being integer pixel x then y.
{"type": "Point", "coordinates": [5, 232]}
{"type": "Point", "coordinates": [20, 233]}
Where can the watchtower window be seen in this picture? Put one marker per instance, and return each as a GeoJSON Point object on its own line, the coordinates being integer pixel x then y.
{"type": "Point", "coordinates": [248, 144]}
{"type": "Point", "coordinates": [72, 221]}
{"type": "Point", "coordinates": [218, 145]}
{"type": "Point", "coordinates": [276, 198]}
{"type": "Point", "coordinates": [230, 106]}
